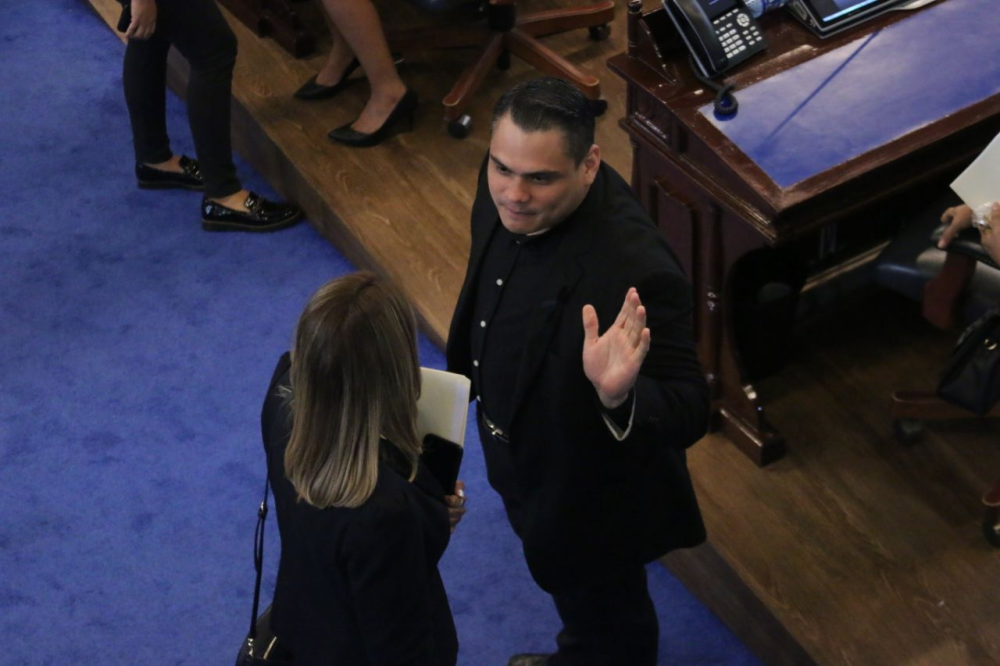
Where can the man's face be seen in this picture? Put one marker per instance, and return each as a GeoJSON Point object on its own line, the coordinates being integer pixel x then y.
{"type": "Point", "coordinates": [534, 183]}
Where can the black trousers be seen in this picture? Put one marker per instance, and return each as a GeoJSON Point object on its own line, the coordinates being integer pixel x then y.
{"type": "Point", "coordinates": [197, 29]}
{"type": "Point", "coordinates": [607, 621]}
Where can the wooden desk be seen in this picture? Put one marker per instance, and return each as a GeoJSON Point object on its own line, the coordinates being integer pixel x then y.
{"type": "Point", "coordinates": [276, 19]}
{"type": "Point", "coordinates": [831, 134]}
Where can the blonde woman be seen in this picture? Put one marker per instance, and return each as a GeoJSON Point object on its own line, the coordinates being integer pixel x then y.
{"type": "Point", "coordinates": [362, 523]}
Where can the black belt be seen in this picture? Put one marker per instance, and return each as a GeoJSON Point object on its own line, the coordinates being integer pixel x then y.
{"type": "Point", "coordinates": [494, 430]}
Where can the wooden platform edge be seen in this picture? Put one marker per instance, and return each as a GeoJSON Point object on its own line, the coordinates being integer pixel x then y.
{"type": "Point", "coordinates": [254, 145]}
{"type": "Point", "coordinates": [708, 576]}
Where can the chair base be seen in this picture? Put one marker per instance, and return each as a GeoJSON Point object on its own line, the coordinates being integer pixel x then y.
{"type": "Point", "coordinates": [505, 34]}
{"type": "Point", "coordinates": [927, 406]}
{"type": "Point", "coordinates": [909, 409]}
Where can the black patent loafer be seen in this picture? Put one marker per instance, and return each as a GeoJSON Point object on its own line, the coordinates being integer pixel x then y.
{"type": "Point", "coordinates": [258, 214]}
{"type": "Point", "coordinates": [311, 91]}
{"type": "Point", "coordinates": [189, 178]}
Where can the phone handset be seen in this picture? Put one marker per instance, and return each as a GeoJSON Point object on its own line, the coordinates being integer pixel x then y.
{"type": "Point", "coordinates": [720, 34]}
{"type": "Point", "coordinates": [695, 27]}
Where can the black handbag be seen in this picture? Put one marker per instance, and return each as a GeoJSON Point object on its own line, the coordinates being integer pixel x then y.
{"type": "Point", "coordinates": [972, 377]}
{"type": "Point", "coordinates": [260, 647]}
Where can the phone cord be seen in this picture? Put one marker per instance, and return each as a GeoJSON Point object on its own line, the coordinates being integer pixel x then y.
{"type": "Point", "coordinates": [725, 103]}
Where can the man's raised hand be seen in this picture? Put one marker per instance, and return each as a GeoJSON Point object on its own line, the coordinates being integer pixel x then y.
{"type": "Point", "coordinates": [612, 361]}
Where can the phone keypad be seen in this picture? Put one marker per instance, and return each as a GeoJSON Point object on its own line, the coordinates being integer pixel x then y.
{"type": "Point", "coordinates": [738, 34]}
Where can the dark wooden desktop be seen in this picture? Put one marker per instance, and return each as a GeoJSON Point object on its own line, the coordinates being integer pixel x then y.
{"type": "Point", "coordinates": [715, 205]}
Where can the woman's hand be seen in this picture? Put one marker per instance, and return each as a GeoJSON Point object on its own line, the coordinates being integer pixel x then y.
{"type": "Point", "coordinates": [989, 236]}
{"type": "Point", "coordinates": [958, 218]}
{"type": "Point", "coordinates": [456, 505]}
{"type": "Point", "coordinates": [143, 23]}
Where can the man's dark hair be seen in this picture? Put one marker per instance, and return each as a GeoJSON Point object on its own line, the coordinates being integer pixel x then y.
{"type": "Point", "coordinates": [550, 103]}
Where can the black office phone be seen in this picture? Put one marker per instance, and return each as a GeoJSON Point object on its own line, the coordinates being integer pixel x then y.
{"type": "Point", "coordinates": [720, 34]}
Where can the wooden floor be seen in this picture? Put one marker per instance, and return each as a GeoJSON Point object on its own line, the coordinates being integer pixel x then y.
{"type": "Point", "coordinates": [854, 547]}
{"type": "Point", "coordinates": [868, 551]}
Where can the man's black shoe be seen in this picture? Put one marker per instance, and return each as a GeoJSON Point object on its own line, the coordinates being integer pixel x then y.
{"type": "Point", "coordinates": [187, 179]}
{"type": "Point", "coordinates": [258, 214]}
{"type": "Point", "coordinates": [529, 660]}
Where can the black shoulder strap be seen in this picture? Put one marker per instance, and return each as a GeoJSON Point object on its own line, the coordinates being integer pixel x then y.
{"type": "Point", "coordinates": [258, 550]}
{"type": "Point", "coordinates": [258, 538]}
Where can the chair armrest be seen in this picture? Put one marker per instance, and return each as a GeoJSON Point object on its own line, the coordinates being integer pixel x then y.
{"type": "Point", "coordinates": [966, 243]}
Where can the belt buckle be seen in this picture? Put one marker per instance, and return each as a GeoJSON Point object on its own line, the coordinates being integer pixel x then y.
{"type": "Point", "coordinates": [494, 430]}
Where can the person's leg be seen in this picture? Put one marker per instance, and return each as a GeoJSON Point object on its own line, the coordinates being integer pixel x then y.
{"type": "Point", "coordinates": [337, 61]}
{"type": "Point", "coordinates": [200, 33]}
{"type": "Point", "coordinates": [144, 78]}
{"type": "Point", "coordinates": [612, 622]}
{"type": "Point", "coordinates": [360, 28]}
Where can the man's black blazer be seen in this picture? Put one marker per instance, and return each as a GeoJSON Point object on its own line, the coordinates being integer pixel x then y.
{"type": "Point", "coordinates": [592, 504]}
{"type": "Point", "coordinates": [358, 586]}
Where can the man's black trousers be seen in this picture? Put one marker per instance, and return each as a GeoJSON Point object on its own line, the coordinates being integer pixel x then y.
{"type": "Point", "coordinates": [607, 621]}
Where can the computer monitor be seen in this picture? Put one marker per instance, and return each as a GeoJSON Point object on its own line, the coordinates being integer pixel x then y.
{"type": "Point", "coordinates": [826, 17]}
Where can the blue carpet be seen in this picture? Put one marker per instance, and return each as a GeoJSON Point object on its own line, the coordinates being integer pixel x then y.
{"type": "Point", "coordinates": [136, 350]}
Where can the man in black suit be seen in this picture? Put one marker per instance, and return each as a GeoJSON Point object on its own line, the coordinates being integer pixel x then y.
{"type": "Point", "coordinates": [574, 324]}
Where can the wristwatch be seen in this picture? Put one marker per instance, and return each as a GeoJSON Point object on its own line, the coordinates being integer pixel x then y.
{"type": "Point", "coordinates": [981, 218]}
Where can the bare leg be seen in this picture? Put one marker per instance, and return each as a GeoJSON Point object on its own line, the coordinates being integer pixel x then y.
{"type": "Point", "coordinates": [233, 201]}
{"type": "Point", "coordinates": [358, 23]}
{"type": "Point", "coordinates": [173, 165]}
{"type": "Point", "coordinates": [337, 60]}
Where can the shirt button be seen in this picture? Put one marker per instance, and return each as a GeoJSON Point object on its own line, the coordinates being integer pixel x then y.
{"type": "Point", "coordinates": [479, 398]}
{"type": "Point", "coordinates": [475, 364]}
{"type": "Point", "coordinates": [499, 282]}
{"type": "Point", "coordinates": [482, 324]}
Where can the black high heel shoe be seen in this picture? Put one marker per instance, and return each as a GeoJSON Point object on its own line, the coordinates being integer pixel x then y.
{"type": "Point", "coordinates": [311, 90]}
{"type": "Point", "coordinates": [405, 108]}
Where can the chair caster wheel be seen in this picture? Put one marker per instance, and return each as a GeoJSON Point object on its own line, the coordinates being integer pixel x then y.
{"type": "Point", "coordinates": [598, 106]}
{"type": "Point", "coordinates": [599, 33]}
{"type": "Point", "coordinates": [461, 127]}
{"type": "Point", "coordinates": [908, 430]}
{"type": "Point", "coordinates": [991, 527]}
{"type": "Point", "coordinates": [503, 62]}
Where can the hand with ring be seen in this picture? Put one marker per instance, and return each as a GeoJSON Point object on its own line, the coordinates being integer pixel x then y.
{"type": "Point", "coordinates": [456, 505]}
{"type": "Point", "coordinates": [958, 218]}
{"type": "Point", "coordinates": [990, 240]}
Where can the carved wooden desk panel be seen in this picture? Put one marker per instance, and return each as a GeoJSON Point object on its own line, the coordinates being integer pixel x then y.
{"type": "Point", "coordinates": [276, 19]}
{"type": "Point", "coordinates": [720, 191]}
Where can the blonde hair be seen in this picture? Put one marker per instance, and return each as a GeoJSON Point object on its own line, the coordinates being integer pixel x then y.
{"type": "Point", "coordinates": [355, 378]}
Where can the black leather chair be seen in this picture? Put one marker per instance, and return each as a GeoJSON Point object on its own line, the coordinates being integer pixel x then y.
{"type": "Point", "coordinates": [498, 33]}
{"type": "Point", "coordinates": [954, 287]}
